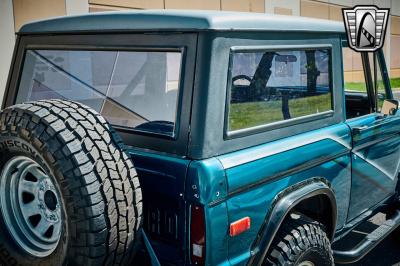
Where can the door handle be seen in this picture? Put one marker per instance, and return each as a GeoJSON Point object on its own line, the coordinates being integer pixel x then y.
{"type": "Point", "coordinates": [360, 129]}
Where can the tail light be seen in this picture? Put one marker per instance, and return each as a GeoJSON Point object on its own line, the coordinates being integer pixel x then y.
{"type": "Point", "coordinates": [197, 236]}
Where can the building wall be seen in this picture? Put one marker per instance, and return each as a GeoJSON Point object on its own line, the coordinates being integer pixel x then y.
{"type": "Point", "coordinates": [14, 13]}
{"type": "Point", "coordinates": [29, 10]}
{"type": "Point", "coordinates": [395, 46]}
{"type": "Point", "coordinates": [76, 7]}
{"type": "Point", "coordinates": [227, 5]}
{"type": "Point", "coordinates": [331, 10]}
{"type": "Point", "coordinates": [6, 42]}
{"type": "Point", "coordinates": [283, 7]}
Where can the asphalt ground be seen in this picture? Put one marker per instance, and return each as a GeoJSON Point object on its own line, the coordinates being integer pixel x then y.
{"type": "Point", "coordinates": [385, 254]}
{"type": "Point", "coordinates": [396, 94]}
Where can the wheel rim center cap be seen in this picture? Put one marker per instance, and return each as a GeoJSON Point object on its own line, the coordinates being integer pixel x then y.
{"type": "Point", "coordinates": [48, 201]}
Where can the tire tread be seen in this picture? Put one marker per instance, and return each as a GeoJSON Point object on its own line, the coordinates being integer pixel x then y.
{"type": "Point", "coordinates": [295, 237]}
{"type": "Point", "coordinates": [101, 186]}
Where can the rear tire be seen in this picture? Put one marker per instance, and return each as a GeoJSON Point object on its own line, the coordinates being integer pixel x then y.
{"type": "Point", "coordinates": [300, 241]}
{"type": "Point", "coordinates": [91, 183]}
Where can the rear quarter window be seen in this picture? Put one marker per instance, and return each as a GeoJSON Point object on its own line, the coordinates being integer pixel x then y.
{"type": "Point", "coordinates": [267, 87]}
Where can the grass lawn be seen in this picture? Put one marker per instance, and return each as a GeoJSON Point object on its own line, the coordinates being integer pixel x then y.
{"type": "Point", "coordinates": [395, 83]}
{"type": "Point", "coordinates": [245, 115]}
{"type": "Point", "coordinates": [355, 86]}
{"type": "Point", "coordinates": [359, 86]}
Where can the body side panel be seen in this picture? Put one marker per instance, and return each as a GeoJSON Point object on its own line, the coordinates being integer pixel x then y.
{"type": "Point", "coordinates": [206, 185]}
{"type": "Point", "coordinates": [375, 161]}
{"type": "Point", "coordinates": [253, 185]}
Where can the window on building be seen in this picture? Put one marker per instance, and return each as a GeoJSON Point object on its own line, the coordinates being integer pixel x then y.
{"type": "Point", "coordinates": [273, 86]}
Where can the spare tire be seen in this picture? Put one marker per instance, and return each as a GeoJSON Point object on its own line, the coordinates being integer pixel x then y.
{"type": "Point", "coordinates": [69, 194]}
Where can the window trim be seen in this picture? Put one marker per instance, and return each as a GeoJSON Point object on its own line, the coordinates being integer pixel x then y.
{"type": "Point", "coordinates": [278, 124]}
{"type": "Point", "coordinates": [117, 48]}
{"type": "Point", "coordinates": [384, 73]}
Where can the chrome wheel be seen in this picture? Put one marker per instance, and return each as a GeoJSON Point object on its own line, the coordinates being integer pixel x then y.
{"type": "Point", "coordinates": [30, 206]}
{"type": "Point", "coordinates": [306, 263]}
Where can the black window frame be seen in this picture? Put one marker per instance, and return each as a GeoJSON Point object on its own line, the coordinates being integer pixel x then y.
{"type": "Point", "coordinates": [186, 43]}
{"type": "Point", "coordinates": [283, 123]}
{"type": "Point", "coordinates": [384, 73]}
{"type": "Point", "coordinates": [382, 69]}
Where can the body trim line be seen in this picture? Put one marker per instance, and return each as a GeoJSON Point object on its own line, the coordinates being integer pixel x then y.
{"type": "Point", "coordinates": [254, 155]}
{"type": "Point", "coordinates": [294, 170]}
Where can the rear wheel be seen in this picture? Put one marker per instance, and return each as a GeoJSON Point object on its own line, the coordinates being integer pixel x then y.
{"type": "Point", "coordinates": [301, 242]}
{"type": "Point", "coordinates": [69, 193]}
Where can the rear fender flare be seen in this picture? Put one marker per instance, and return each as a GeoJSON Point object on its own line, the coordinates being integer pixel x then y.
{"type": "Point", "coordinates": [282, 205]}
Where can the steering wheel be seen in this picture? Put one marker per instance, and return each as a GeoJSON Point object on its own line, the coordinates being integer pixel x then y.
{"type": "Point", "coordinates": [238, 77]}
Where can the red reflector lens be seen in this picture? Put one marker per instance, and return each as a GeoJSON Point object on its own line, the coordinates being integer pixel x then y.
{"type": "Point", "coordinates": [197, 235]}
{"type": "Point", "coordinates": [239, 226]}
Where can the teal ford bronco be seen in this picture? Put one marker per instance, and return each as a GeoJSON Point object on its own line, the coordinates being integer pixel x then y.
{"type": "Point", "coordinates": [194, 138]}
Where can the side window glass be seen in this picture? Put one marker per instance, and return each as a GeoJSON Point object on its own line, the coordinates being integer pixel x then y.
{"type": "Point", "coordinates": [395, 83]}
{"type": "Point", "coordinates": [357, 101]}
{"type": "Point", "coordinates": [272, 86]}
{"type": "Point", "coordinates": [381, 89]}
{"type": "Point", "coordinates": [394, 64]}
{"type": "Point", "coordinates": [354, 78]}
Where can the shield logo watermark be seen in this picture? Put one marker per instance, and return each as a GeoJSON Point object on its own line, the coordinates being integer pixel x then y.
{"type": "Point", "coordinates": [365, 27]}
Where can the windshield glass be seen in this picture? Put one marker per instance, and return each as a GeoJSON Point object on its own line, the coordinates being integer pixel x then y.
{"type": "Point", "coordinates": [131, 89]}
